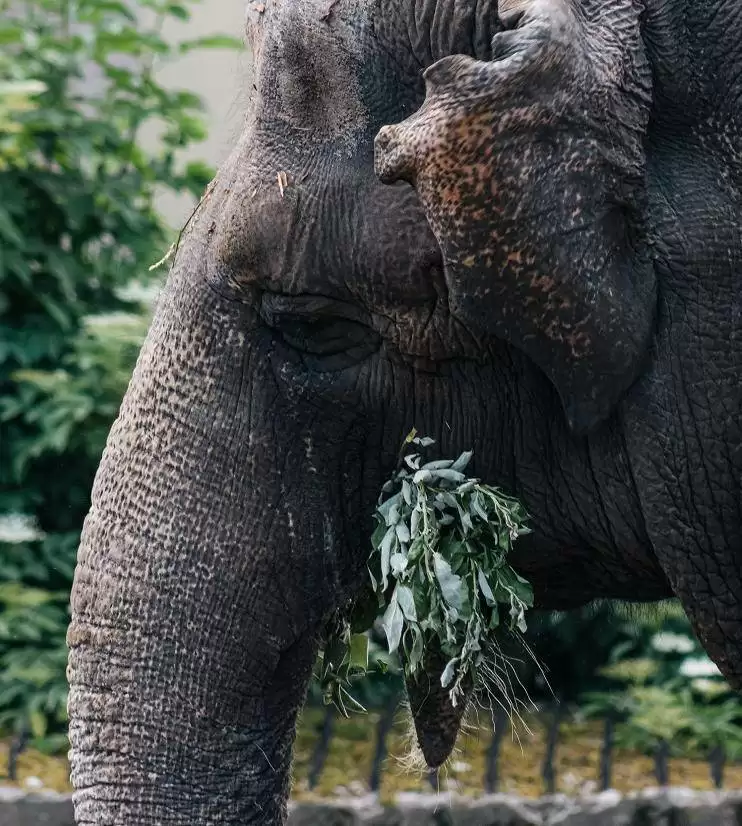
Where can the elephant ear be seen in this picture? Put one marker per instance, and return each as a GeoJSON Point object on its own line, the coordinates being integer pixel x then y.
{"type": "Point", "coordinates": [531, 170]}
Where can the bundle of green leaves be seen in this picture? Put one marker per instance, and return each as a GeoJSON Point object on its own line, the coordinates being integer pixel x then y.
{"type": "Point", "coordinates": [439, 572]}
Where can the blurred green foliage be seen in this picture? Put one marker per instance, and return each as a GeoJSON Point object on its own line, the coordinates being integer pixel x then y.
{"type": "Point", "coordinates": [78, 229]}
{"type": "Point", "coordinates": [662, 686]}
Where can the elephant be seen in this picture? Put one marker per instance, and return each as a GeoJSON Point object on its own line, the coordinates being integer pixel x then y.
{"type": "Point", "coordinates": [515, 228]}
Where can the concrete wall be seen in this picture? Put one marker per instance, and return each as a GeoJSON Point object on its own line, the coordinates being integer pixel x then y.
{"type": "Point", "coordinates": [221, 77]}
{"type": "Point", "coordinates": [672, 807]}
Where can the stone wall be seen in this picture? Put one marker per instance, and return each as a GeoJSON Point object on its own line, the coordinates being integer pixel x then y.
{"type": "Point", "coordinates": [672, 807]}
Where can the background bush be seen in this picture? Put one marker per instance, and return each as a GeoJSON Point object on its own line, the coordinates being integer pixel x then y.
{"type": "Point", "coordinates": [78, 230]}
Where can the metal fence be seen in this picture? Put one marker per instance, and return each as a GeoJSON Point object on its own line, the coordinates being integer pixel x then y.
{"type": "Point", "coordinates": [717, 759]}
{"type": "Point", "coordinates": [17, 746]}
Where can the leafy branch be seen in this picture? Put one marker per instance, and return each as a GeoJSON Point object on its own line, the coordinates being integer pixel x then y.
{"type": "Point", "coordinates": [439, 572]}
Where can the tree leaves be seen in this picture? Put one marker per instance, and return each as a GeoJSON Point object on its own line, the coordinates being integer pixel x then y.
{"type": "Point", "coordinates": [450, 584]}
{"type": "Point", "coordinates": [393, 623]}
{"type": "Point", "coordinates": [406, 602]}
{"type": "Point", "coordinates": [461, 463]}
{"type": "Point", "coordinates": [386, 554]}
{"type": "Point", "coordinates": [77, 223]}
{"type": "Point", "coordinates": [485, 586]}
{"type": "Point", "coordinates": [449, 672]}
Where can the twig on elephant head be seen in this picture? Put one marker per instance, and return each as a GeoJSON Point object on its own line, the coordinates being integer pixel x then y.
{"type": "Point", "coordinates": [173, 251]}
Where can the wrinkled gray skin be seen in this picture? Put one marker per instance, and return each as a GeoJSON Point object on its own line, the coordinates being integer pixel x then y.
{"type": "Point", "coordinates": [303, 333]}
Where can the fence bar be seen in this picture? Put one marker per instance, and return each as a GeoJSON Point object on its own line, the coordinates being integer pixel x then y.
{"type": "Point", "coordinates": [492, 771]}
{"type": "Point", "coordinates": [321, 750]}
{"type": "Point", "coordinates": [718, 759]}
{"type": "Point", "coordinates": [606, 755]}
{"type": "Point", "coordinates": [386, 722]}
{"type": "Point", "coordinates": [548, 771]}
{"type": "Point", "coordinates": [442, 817]}
{"type": "Point", "coordinates": [662, 763]}
{"type": "Point", "coordinates": [17, 747]}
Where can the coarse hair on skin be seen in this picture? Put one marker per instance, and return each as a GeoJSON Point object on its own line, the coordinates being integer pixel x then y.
{"type": "Point", "coordinates": [498, 691]}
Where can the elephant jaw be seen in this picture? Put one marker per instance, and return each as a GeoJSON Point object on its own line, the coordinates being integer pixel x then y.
{"type": "Point", "coordinates": [437, 720]}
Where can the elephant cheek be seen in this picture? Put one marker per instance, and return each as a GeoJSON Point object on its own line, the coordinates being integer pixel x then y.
{"type": "Point", "coordinates": [437, 720]}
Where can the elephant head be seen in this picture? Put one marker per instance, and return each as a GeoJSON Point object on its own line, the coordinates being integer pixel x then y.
{"type": "Point", "coordinates": [545, 269]}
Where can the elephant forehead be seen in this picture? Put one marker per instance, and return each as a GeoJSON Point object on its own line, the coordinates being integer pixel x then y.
{"type": "Point", "coordinates": [337, 69]}
{"type": "Point", "coordinates": [308, 59]}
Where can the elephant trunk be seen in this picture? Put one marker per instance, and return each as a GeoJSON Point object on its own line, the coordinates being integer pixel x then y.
{"type": "Point", "coordinates": [193, 620]}
{"type": "Point", "coordinates": [437, 720]}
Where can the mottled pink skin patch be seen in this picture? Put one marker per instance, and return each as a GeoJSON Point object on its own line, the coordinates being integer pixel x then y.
{"type": "Point", "coordinates": [531, 172]}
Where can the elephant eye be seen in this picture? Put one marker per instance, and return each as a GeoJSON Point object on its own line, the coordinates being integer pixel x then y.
{"type": "Point", "coordinates": [323, 336]}
{"type": "Point", "coordinates": [330, 335]}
